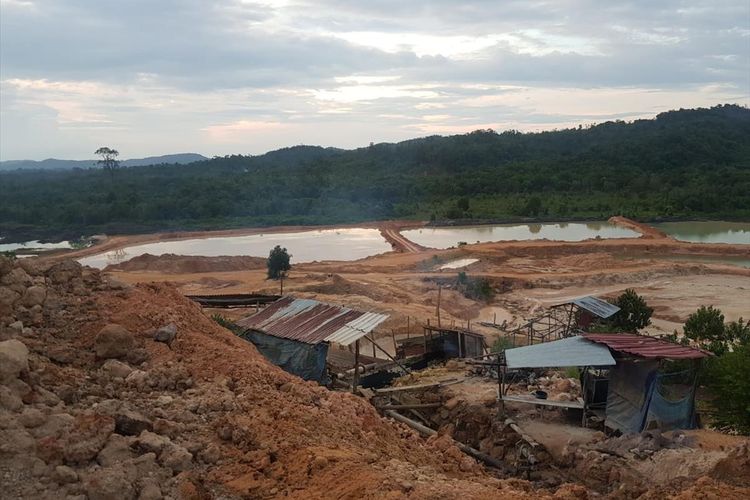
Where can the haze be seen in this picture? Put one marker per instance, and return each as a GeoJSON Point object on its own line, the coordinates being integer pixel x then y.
{"type": "Point", "coordinates": [224, 77]}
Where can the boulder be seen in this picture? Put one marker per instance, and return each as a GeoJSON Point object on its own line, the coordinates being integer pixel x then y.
{"type": "Point", "coordinates": [31, 417]}
{"type": "Point", "coordinates": [113, 341]}
{"type": "Point", "coordinates": [6, 265]}
{"type": "Point", "coordinates": [176, 458]}
{"type": "Point", "coordinates": [35, 266]}
{"type": "Point", "coordinates": [116, 450]}
{"type": "Point", "coordinates": [33, 296]}
{"type": "Point", "coordinates": [166, 334]}
{"type": "Point", "coordinates": [65, 475]}
{"type": "Point", "coordinates": [9, 400]}
{"type": "Point", "coordinates": [16, 280]}
{"type": "Point", "coordinates": [116, 368]}
{"type": "Point", "coordinates": [8, 297]}
{"type": "Point", "coordinates": [14, 358]}
{"type": "Point", "coordinates": [131, 423]}
{"type": "Point", "coordinates": [64, 271]}
{"type": "Point", "coordinates": [109, 483]}
{"type": "Point", "coordinates": [87, 437]}
{"type": "Point", "coordinates": [150, 442]}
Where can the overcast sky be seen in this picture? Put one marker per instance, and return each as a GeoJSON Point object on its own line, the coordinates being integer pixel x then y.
{"type": "Point", "coordinates": [151, 77]}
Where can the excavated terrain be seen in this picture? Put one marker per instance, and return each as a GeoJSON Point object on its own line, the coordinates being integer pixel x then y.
{"type": "Point", "coordinates": [113, 391]}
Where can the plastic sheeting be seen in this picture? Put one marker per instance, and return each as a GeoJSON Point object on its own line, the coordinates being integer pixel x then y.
{"type": "Point", "coordinates": [640, 398]}
{"type": "Point", "coordinates": [307, 361]}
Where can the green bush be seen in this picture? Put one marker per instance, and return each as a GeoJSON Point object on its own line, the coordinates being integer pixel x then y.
{"type": "Point", "coordinates": [728, 380]}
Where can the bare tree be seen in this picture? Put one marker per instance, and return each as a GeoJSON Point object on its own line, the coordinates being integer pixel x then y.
{"type": "Point", "coordinates": [108, 160]}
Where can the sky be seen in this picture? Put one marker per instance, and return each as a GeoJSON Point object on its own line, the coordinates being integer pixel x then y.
{"type": "Point", "coordinates": [151, 77]}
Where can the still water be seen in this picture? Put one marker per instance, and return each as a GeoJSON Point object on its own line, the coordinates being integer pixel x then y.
{"type": "Point", "coordinates": [446, 237]}
{"type": "Point", "coordinates": [28, 246]}
{"type": "Point", "coordinates": [305, 246]}
{"type": "Point", "coordinates": [707, 232]}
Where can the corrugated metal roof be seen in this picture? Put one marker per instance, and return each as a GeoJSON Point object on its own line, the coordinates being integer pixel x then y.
{"type": "Point", "coordinates": [597, 306]}
{"type": "Point", "coordinates": [571, 351]}
{"type": "Point", "coordinates": [312, 322]}
{"type": "Point", "coordinates": [646, 347]}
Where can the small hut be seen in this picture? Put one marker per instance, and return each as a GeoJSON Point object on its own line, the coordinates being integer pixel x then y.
{"type": "Point", "coordinates": [624, 380]}
{"type": "Point", "coordinates": [295, 334]}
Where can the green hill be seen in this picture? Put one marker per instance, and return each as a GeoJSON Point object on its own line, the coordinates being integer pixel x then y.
{"type": "Point", "coordinates": [685, 163]}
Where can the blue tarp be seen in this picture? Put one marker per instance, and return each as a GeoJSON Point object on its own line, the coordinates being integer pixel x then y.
{"type": "Point", "coordinates": [640, 398]}
{"type": "Point", "coordinates": [307, 361]}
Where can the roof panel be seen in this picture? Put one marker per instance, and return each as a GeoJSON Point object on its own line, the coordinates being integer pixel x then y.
{"type": "Point", "coordinates": [597, 306]}
{"type": "Point", "coordinates": [312, 322]}
{"type": "Point", "coordinates": [571, 351]}
{"type": "Point", "coordinates": [646, 347]}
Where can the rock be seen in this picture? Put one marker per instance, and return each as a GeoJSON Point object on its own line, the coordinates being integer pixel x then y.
{"type": "Point", "coordinates": [113, 341]}
{"type": "Point", "coordinates": [176, 458]}
{"type": "Point", "coordinates": [319, 462]}
{"type": "Point", "coordinates": [116, 450]}
{"type": "Point", "coordinates": [563, 396]}
{"type": "Point", "coordinates": [563, 385]}
{"type": "Point", "coordinates": [163, 400]}
{"type": "Point", "coordinates": [451, 403]}
{"type": "Point", "coordinates": [31, 417]}
{"type": "Point", "coordinates": [116, 368]}
{"type": "Point", "coordinates": [14, 358]}
{"type": "Point", "coordinates": [16, 441]}
{"type": "Point", "coordinates": [137, 378]}
{"type": "Point", "coordinates": [64, 271]}
{"type": "Point", "coordinates": [33, 296]}
{"type": "Point", "coordinates": [61, 354]}
{"type": "Point", "coordinates": [109, 483]}
{"type": "Point", "coordinates": [65, 475]}
{"type": "Point", "coordinates": [149, 441]}
{"type": "Point", "coordinates": [87, 438]}
{"type": "Point", "coordinates": [6, 265]}
{"type": "Point", "coordinates": [16, 327]}
{"type": "Point", "coordinates": [34, 266]}
{"type": "Point", "coordinates": [166, 334]}
{"type": "Point", "coordinates": [45, 397]}
{"type": "Point", "coordinates": [149, 490]}
{"type": "Point", "coordinates": [9, 400]}
{"type": "Point", "coordinates": [131, 423]}
{"type": "Point", "coordinates": [467, 464]}
{"type": "Point", "coordinates": [8, 297]}
{"type": "Point", "coordinates": [16, 280]}
{"type": "Point", "coordinates": [211, 454]}
{"type": "Point", "coordinates": [56, 425]}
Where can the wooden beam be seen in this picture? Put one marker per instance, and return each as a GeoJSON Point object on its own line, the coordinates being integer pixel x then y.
{"type": "Point", "coordinates": [418, 386]}
{"type": "Point", "coordinates": [405, 369]}
{"type": "Point", "coordinates": [426, 431]}
{"type": "Point", "coordinates": [409, 407]}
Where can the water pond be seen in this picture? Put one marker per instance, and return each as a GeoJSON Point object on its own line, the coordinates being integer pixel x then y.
{"type": "Point", "coordinates": [31, 246]}
{"type": "Point", "coordinates": [446, 237]}
{"type": "Point", "coordinates": [707, 231]}
{"type": "Point", "coordinates": [304, 246]}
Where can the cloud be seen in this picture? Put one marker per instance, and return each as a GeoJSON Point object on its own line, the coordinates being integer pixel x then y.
{"type": "Point", "coordinates": [245, 76]}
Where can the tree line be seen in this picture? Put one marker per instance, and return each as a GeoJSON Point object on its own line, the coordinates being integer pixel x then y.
{"type": "Point", "coordinates": [684, 163]}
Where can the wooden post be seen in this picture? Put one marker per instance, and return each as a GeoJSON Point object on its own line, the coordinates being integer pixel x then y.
{"type": "Point", "coordinates": [424, 337]}
{"type": "Point", "coordinates": [460, 338]}
{"type": "Point", "coordinates": [281, 280]}
{"type": "Point", "coordinates": [355, 381]}
{"type": "Point", "coordinates": [395, 346]}
{"type": "Point", "coordinates": [372, 337]}
{"type": "Point", "coordinates": [438, 304]}
{"type": "Point", "coordinates": [408, 326]}
{"type": "Point", "coordinates": [494, 318]}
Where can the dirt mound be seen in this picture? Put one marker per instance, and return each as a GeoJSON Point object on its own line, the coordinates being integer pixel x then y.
{"type": "Point", "coordinates": [337, 285]}
{"type": "Point", "coordinates": [96, 400]}
{"type": "Point", "coordinates": [176, 264]}
{"type": "Point", "coordinates": [734, 469]}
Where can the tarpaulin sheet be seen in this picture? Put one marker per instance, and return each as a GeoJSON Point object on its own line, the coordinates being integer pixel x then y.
{"type": "Point", "coordinates": [307, 361]}
{"type": "Point", "coordinates": [639, 398]}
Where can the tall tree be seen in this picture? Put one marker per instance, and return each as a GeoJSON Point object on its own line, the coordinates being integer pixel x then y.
{"type": "Point", "coordinates": [278, 263]}
{"type": "Point", "coordinates": [108, 159]}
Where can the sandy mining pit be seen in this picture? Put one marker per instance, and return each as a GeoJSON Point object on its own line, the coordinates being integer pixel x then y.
{"type": "Point", "coordinates": [527, 276]}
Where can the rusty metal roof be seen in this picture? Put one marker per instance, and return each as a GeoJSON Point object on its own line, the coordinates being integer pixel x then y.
{"type": "Point", "coordinates": [312, 322]}
{"type": "Point", "coordinates": [646, 347]}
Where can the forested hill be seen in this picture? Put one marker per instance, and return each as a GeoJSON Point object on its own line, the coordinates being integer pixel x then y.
{"type": "Point", "coordinates": [689, 163]}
